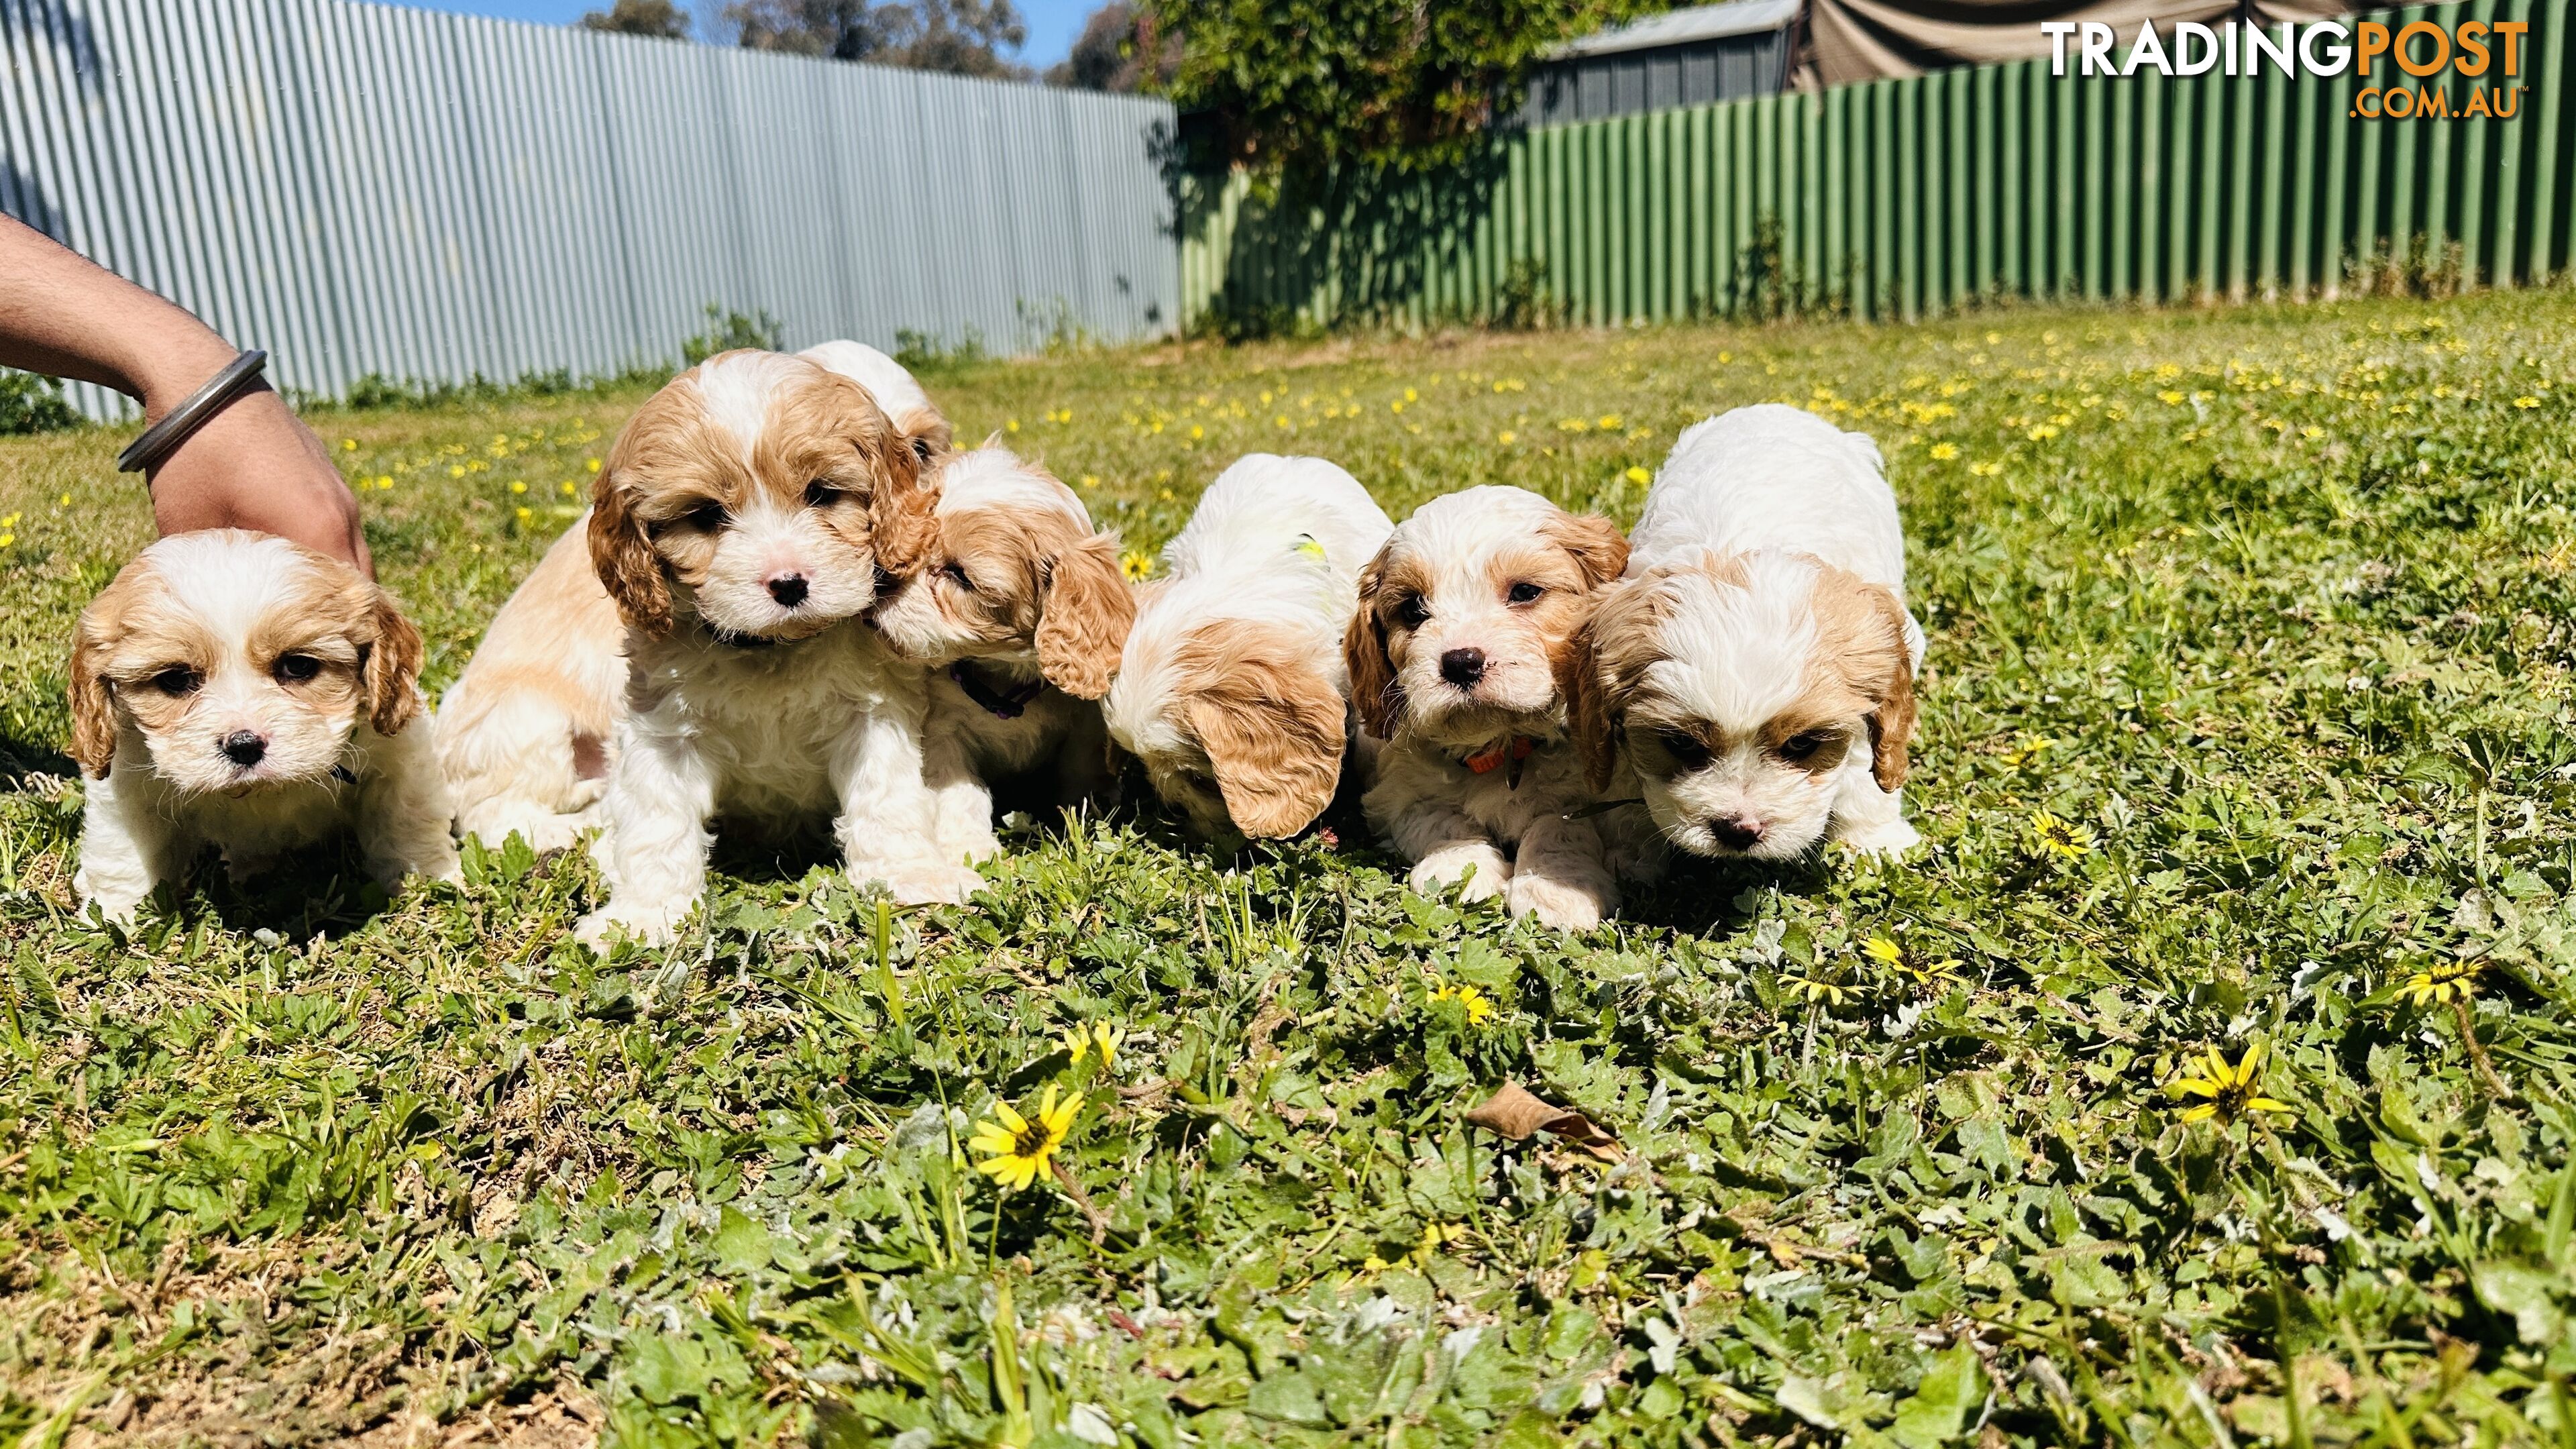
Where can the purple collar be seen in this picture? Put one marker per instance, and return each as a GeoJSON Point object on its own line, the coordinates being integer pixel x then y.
{"type": "Point", "coordinates": [1001, 703]}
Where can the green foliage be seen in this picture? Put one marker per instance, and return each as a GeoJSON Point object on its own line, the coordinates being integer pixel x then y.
{"type": "Point", "coordinates": [32, 404]}
{"type": "Point", "coordinates": [928, 356]}
{"type": "Point", "coordinates": [2273, 604]}
{"type": "Point", "coordinates": [727, 330]}
{"type": "Point", "coordinates": [1311, 85]}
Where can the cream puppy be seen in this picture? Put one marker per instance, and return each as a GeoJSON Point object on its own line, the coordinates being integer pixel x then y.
{"type": "Point", "coordinates": [527, 732]}
{"type": "Point", "coordinates": [234, 689]}
{"type": "Point", "coordinates": [749, 514]}
{"type": "Point", "coordinates": [1232, 689]}
{"type": "Point", "coordinates": [1465, 618]}
{"type": "Point", "coordinates": [1757, 668]}
{"type": "Point", "coordinates": [1021, 610]}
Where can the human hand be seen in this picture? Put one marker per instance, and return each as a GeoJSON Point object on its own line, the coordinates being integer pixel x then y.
{"type": "Point", "coordinates": [255, 465]}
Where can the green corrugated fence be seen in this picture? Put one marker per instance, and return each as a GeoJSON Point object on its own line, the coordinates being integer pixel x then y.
{"type": "Point", "coordinates": [1909, 197]}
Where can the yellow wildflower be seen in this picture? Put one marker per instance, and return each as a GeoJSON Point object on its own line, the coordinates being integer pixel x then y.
{"type": "Point", "coordinates": [2449, 981]}
{"type": "Point", "coordinates": [2065, 839]}
{"type": "Point", "coordinates": [2526, 402]}
{"type": "Point", "coordinates": [1080, 1041]}
{"type": "Point", "coordinates": [2229, 1092]}
{"type": "Point", "coordinates": [1923, 974]}
{"type": "Point", "coordinates": [2027, 749]}
{"type": "Point", "coordinates": [1609, 421]}
{"type": "Point", "coordinates": [1137, 565]}
{"type": "Point", "coordinates": [1816, 989]}
{"type": "Point", "coordinates": [1504, 437]}
{"type": "Point", "coordinates": [1944, 452]}
{"type": "Point", "coordinates": [1016, 1148]}
{"type": "Point", "coordinates": [1470, 999]}
{"type": "Point", "coordinates": [518, 486]}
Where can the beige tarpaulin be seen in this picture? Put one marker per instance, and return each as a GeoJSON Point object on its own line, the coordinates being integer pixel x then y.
{"type": "Point", "coordinates": [1859, 40]}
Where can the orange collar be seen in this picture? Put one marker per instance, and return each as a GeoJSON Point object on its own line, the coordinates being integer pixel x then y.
{"type": "Point", "coordinates": [1510, 749]}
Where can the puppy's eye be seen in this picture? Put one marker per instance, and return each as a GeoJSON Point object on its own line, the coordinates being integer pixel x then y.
{"type": "Point", "coordinates": [706, 517]}
{"type": "Point", "coordinates": [1523, 593]}
{"type": "Point", "coordinates": [1687, 750]}
{"type": "Point", "coordinates": [178, 681]}
{"type": "Point", "coordinates": [1411, 612]}
{"type": "Point", "coordinates": [1799, 747]}
{"type": "Point", "coordinates": [921, 449]}
{"type": "Point", "coordinates": [295, 668]}
{"type": "Point", "coordinates": [956, 574]}
{"type": "Point", "coordinates": [823, 493]}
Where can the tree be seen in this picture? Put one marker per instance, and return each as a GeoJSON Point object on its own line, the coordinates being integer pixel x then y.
{"type": "Point", "coordinates": [1311, 84]}
{"type": "Point", "coordinates": [658, 18]}
{"type": "Point", "coordinates": [962, 37]}
{"type": "Point", "coordinates": [1114, 53]}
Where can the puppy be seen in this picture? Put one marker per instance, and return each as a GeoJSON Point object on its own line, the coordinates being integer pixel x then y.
{"type": "Point", "coordinates": [1464, 620]}
{"type": "Point", "coordinates": [749, 514]}
{"type": "Point", "coordinates": [1232, 689]}
{"type": "Point", "coordinates": [527, 733]}
{"type": "Point", "coordinates": [1021, 610]}
{"type": "Point", "coordinates": [1757, 670]}
{"type": "Point", "coordinates": [238, 690]}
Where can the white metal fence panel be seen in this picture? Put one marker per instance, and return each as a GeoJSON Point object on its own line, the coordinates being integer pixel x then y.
{"type": "Point", "coordinates": [363, 189]}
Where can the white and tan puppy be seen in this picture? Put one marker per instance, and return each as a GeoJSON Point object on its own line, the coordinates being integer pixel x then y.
{"type": "Point", "coordinates": [237, 690]}
{"type": "Point", "coordinates": [748, 516]}
{"type": "Point", "coordinates": [528, 731]}
{"type": "Point", "coordinates": [1465, 619]}
{"type": "Point", "coordinates": [1232, 689]}
{"type": "Point", "coordinates": [1020, 609]}
{"type": "Point", "coordinates": [1757, 668]}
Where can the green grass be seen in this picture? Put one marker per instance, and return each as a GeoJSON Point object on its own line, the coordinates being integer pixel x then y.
{"type": "Point", "coordinates": [2273, 605]}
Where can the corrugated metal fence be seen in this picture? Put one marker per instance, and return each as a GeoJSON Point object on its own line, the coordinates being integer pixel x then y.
{"type": "Point", "coordinates": [1906, 197]}
{"type": "Point", "coordinates": [370, 190]}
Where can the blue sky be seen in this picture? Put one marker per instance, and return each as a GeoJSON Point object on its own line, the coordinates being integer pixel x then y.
{"type": "Point", "coordinates": [1052, 23]}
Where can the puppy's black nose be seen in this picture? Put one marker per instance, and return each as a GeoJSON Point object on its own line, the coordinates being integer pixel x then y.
{"type": "Point", "coordinates": [788, 590]}
{"type": "Point", "coordinates": [1737, 833]}
{"type": "Point", "coordinates": [244, 748]}
{"type": "Point", "coordinates": [1463, 667]}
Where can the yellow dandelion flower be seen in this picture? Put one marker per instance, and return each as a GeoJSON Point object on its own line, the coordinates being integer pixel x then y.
{"type": "Point", "coordinates": [1411, 396]}
{"type": "Point", "coordinates": [1922, 973]}
{"type": "Point", "coordinates": [1010, 425]}
{"type": "Point", "coordinates": [1080, 1041]}
{"type": "Point", "coordinates": [1816, 989]}
{"type": "Point", "coordinates": [2027, 748]}
{"type": "Point", "coordinates": [2449, 981]}
{"type": "Point", "coordinates": [2526, 402]}
{"type": "Point", "coordinates": [2065, 839]}
{"type": "Point", "coordinates": [1090, 480]}
{"type": "Point", "coordinates": [348, 445]}
{"type": "Point", "coordinates": [1505, 437]}
{"type": "Point", "coordinates": [1638, 475]}
{"type": "Point", "coordinates": [1015, 1148]}
{"type": "Point", "coordinates": [8, 540]}
{"type": "Point", "coordinates": [1136, 565]}
{"type": "Point", "coordinates": [2312, 431]}
{"type": "Point", "coordinates": [1984, 470]}
{"type": "Point", "coordinates": [2227, 1092]}
{"type": "Point", "coordinates": [518, 486]}
{"type": "Point", "coordinates": [65, 501]}
{"type": "Point", "coordinates": [2170, 398]}
{"type": "Point", "coordinates": [1944, 452]}
{"type": "Point", "coordinates": [1609, 421]}
{"type": "Point", "coordinates": [592, 465]}
{"type": "Point", "coordinates": [1471, 1000]}
{"type": "Point", "coordinates": [1433, 1236]}
{"type": "Point", "coordinates": [2042, 433]}
{"type": "Point", "coordinates": [1197, 432]}
{"type": "Point", "coordinates": [525, 514]}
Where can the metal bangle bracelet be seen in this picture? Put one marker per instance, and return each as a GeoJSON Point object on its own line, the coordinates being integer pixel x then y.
{"type": "Point", "coordinates": [164, 437]}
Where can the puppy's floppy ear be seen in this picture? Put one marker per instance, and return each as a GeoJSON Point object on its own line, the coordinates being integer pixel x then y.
{"type": "Point", "coordinates": [1083, 623]}
{"type": "Point", "coordinates": [1891, 723]}
{"type": "Point", "coordinates": [1589, 717]}
{"type": "Point", "coordinates": [903, 511]}
{"type": "Point", "coordinates": [1273, 730]}
{"type": "Point", "coordinates": [1597, 545]}
{"type": "Point", "coordinates": [392, 669]}
{"type": "Point", "coordinates": [627, 565]}
{"type": "Point", "coordinates": [1373, 687]}
{"type": "Point", "coordinates": [93, 700]}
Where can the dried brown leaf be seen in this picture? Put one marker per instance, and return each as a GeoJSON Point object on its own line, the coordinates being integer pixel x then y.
{"type": "Point", "coordinates": [1517, 1113]}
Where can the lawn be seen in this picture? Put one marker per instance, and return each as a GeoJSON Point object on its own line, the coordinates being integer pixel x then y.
{"type": "Point", "coordinates": [2247, 744]}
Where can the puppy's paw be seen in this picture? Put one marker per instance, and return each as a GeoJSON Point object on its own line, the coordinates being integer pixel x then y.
{"type": "Point", "coordinates": [1451, 864]}
{"type": "Point", "coordinates": [1888, 838]}
{"type": "Point", "coordinates": [1555, 903]}
{"type": "Point", "coordinates": [645, 927]}
{"type": "Point", "coordinates": [929, 884]}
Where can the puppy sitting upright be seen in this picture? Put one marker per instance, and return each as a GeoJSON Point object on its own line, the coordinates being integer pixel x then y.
{"type": "Point", "coordinates": [1757, 670]}
{"type": "Point", "coordinates": [238, 690]}
{"type": "Point", "coordinates": [748, 515]}
{"type": "Point", "coordinates": [1464, 619]}
{"type": "Point", "coordinates": [1021, 609]}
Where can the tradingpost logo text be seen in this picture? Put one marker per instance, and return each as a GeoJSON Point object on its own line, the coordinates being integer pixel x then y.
{"type": "Point", "coordinates": [2490, 54]}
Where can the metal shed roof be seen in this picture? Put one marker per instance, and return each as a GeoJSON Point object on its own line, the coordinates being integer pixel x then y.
{"type": "Point", "coordinates": [1682, 27]}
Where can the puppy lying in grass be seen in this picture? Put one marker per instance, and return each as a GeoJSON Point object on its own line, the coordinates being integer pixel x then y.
{"type": "Point", "coordinates": [1464, 620]}
{"type": "Point", "coordinates": [237, 690]}
{"type": "Point", "coordinates": [1020, 610]}
{"type": "Point", "coordinates": [1757, 668]}
{"type": "Point", "coordinates": [1231, 689]}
